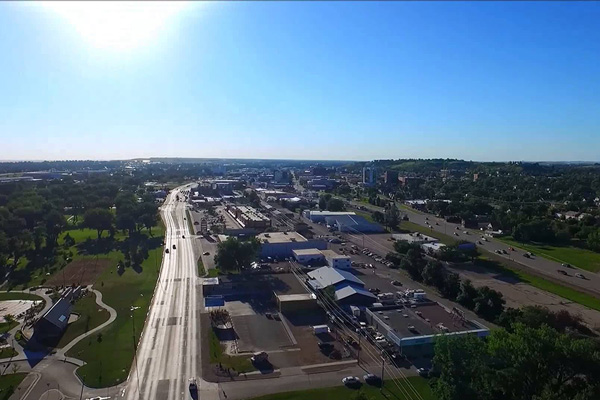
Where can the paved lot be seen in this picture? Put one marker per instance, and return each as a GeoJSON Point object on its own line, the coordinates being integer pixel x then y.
{"type": "Point", "coordinates": [14, 307]}
{"type": "Point", "coordinates": [258, 333]}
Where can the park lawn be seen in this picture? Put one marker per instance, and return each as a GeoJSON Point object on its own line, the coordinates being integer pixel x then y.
{"type": "Point", "coordinates": [19, 296]}
{"type": "Point", "coordinates": [9, 383]}
{"type": "Point", "coordinates": [544, 284]}
{"type": "Point", "coordinates": [109, 359]}
{"type": "Point", "coordinates": [412, 227]}
{"type": "Point", "coordinates": [7, 326]}
{"type": "Point", "coordinates": [90, 316]}
{"type": "Point", "coordinates": [578, 257]}
{"type": "Point", "coordinates": [241, 364]}
{"type": "Point", "coordinates": [390, 391]}
{"type": "Point", "coordinates": [7, 352]}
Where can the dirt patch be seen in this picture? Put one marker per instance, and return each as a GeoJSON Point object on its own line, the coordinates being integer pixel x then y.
{"type": "Point", "coordinates": [80, 272]}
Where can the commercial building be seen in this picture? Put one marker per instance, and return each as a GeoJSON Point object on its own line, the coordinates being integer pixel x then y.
{"type": "Point", "coordinates": [348, 288]}
{"type": "Point", "coordinates": [433, 248]}
{"type": "Point", "coordinates": [335, 260]}
{"type": "Point", "coordinates": [53, 323]}
{"type": "Point", "coordinates": [353, 224]}
{"type": "Point", "coordinates": [249, 217]}
{"type": "Point", "coordinates": [391, 177]}
{"type": "Point", "coordinates": [369, 175]}
{"type": "Point", "coordinates": [300, 302]}
{"type": "Point", "coordinates": [319, 216]}
{"type": "Point", "coordinates": [282, 244]}
{"type": "Point", "coordinates": [316, 256]}
{"type": "Point", "coordinates": [413, 323]}
{"type": "Point", "coordinates": [322, 183]}
{"type": "Point", "coordinates": [414, 237]}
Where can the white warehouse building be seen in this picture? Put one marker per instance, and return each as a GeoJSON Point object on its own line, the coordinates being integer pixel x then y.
{"type": "Point", "coordinates": [316, 256]}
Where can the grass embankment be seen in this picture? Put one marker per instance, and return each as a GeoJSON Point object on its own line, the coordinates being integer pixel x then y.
{"type": "Point", "coordinates": [412, 227]}
{"type": "Point", "coordinates": [201, 270]}
{"type": "Point", "coordinates": [538, 282]}
{"type": "Point", "coordinates": [9, 383]}
{"type": "Point", "coordinates": [109, 356]}
{"type": "Point", "coordinates": [241, 364]}
{"type": "Point", "coordinates": [390, 391]}
{"type": "Point", "coordinates": [91, 315]}
{"type": "Point", "coordinates": [576, 256]}
{"type": "Point", "coordinates": [190, 222]}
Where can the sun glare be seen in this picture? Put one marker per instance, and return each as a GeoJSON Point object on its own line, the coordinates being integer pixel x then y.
{"type": "Point", "coordinates": [118, 26]}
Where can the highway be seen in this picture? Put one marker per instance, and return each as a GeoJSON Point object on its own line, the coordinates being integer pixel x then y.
{"type": "Point", "coordinates": [168, 354]}
{"type": "Point", "coordinates": [590, 284]}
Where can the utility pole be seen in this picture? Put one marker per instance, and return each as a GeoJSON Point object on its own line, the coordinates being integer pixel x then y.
{"type": "Point", "coordinates": [382, 371]}
{"type": "Point", "coordinates": [81, 394]}
{"type": "Point", "coordinates": [135, 349]}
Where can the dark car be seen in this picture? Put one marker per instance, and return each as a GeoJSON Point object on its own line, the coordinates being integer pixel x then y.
{"type": "Point", "coordinates": [562, 272]}
{"type": "Point", "coordinates": [325, 346]}
{"type": "Point", "coordinates": [174, 247]}
{"type": "Point", "coordinates": [424, 372]}
{"type": "Point", "coordinates": [372, 379]}
{"type": "Point", "coordinates": [167, 251]}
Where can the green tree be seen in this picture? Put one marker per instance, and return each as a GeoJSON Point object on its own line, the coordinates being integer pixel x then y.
{"type": "Point", "coordinates": [234, 254]}
{"type": "Point", "coordinates": [378, 217]}
{"type": "Point", "coordinates": [100, 219]}
{"type": "Point", "coordinates": [335, 205]}
{"type": "Point", "coordinates": [489, 303]}
{"type": "Point", "coordinates": [392, 216]}
{"type": "Point", "coordinates": [434, 274]}
{"type": "Point", "coordinates": [593, 240]}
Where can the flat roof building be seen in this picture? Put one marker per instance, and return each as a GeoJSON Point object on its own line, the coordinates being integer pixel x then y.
{"type": "Point", "coordinates": [353, 223]}
{"type": "Point", "coordinates": [319, 216]}
{"type": "Point", "coordinates": [414, 237]}
{"type": "Point", "coordinates": [282, 244]}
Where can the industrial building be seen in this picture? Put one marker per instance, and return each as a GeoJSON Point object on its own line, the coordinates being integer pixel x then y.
{"type": "Point", "coordinates": [299, 302]}
{"type": "Point", "coordinates": [282, 244]}
{"type": "Point", "coordinates": [353, 224]}
{"type": "Point", "coordinates": [319, 216]}
{"type": "Point", "coordinates": [316, 256]}
{"type": "Point", "coordinates": [415, 237]}
{"type": "Point", "coordinates": [348, 288]}
{"type": "Point", "coordinates": [249, 217]}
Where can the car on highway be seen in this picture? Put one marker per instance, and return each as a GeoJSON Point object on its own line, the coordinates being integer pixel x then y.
{"type": "Point", "coordinates": [206, 253]}
{"type": "Point", "coordinates": [580, 276]}
{"type": "Point", "coordinates": [562, 272]}
{"type": "Point", "coordinates": [193, 385]}
{"type": "Point", "coordinates": [466, 232]}
{"type": "Point", "coordinates": [183, 236]}
{"type": "Point", "coordinates": [479, 242]}
{"type": "Point", "coordinates": [396, 283]}
{"type": "Point", "coordinates": [455, 234]}
{"type": "Point", "coordinates": [351, 381]}
{"type": "Point", "coordinates": [167, 251]}
{"type": "Point", "coordinates": [566, 265]}
{"type": "Point", "coordinates": [526, 255]}
{"type": "Point", "coordinates": [372, 379]}
{"type": "Point", "coordinates": [174, 247]}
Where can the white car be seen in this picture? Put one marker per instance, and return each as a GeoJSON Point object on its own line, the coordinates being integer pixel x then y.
{"type": "Point", "coordinates": [580, 276]}
{"type": "Point", "coordinates": [350, 380]}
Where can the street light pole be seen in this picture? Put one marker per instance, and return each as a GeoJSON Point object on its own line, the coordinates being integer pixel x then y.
{"type": "Point", "coordinates": [135, 350]}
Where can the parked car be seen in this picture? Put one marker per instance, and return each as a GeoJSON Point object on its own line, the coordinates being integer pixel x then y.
{"type": "Point", "coordinates": [372, 379]}
{"type": "Point", "coordinates": [424, 372]}
{"type": "Point", "coordinates": [351, 380]}
{"type": "Point", "coordinates": [259, 357]}
{"type": "Point", "coordinates": [193, 385]}
{"type": "Point", "coordinates": [325, 346]}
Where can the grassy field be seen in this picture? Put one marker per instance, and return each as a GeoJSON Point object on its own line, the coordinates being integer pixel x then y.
{"type": "Point", "coordinates": [390, 391]}
{"type": "Point", "coordinates": [412, 227]}
{"type": "Point", "coordinates": [541, 283]}
{"type": "Point", "coordinates": [109, 357]}
{"type": "Point", "coordinates": [90, 316]}
{"type": "Point", "coordinates": [578, 257]}
{"type": "Point", "coordinates": [189, 222]}
{"type": "Point", "coordinates": [213, 273]}
{"type": "Point", "coordinates": [240, 364]}
{"type": "Point", "coordinates": [9, 383]}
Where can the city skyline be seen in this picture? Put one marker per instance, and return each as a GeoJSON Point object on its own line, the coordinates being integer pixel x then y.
{"type": "Point", "coordinates": [319, 81]}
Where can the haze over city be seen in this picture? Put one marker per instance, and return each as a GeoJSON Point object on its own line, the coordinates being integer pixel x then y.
{"type": "Point", "coordinates": [300, 80]}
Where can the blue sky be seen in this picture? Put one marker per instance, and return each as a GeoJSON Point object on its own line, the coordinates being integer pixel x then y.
{"type": "Point", "coordinates": [331, 80]}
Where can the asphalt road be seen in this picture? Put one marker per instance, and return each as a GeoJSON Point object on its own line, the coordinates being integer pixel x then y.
{"type": "Point", "coordinates": [537, 263]}
{"type": "Point", "coordinates": [169, 351]}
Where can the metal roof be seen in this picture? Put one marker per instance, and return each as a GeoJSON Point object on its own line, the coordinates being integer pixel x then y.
{"type": "Point", "coordinates": [327, 276]}
{"type": "Point", "coordinates": [349, 290]}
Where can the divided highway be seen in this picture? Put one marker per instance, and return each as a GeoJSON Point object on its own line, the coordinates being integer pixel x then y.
{"type": "Point", "coordinates": [537, 263]}
{"type": "Point", "coordinates": [169, 350]}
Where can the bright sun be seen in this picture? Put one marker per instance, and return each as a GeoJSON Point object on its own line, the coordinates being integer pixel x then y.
{"type": "Point", "coordinates": [116, 25]}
